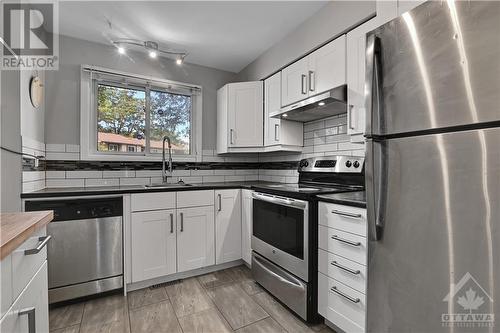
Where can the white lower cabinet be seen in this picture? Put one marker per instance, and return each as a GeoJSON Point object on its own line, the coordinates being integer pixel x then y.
{"type": "Point", "coordinates": [195, 238]}
{"type": "Point", "coordinates": [228, 225]}
{"type": "Point", "coordinates": [32, 304]}
{"type": "Point", "coordinates": [246, 225]}
{"type": "Point", "coordinates": [153, 244]}
{"type": "Point", "coordinates": [342, 261]}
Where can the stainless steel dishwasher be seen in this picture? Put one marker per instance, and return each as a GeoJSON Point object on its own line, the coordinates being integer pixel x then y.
{"type": "Point", "coordinates": [85, 256]}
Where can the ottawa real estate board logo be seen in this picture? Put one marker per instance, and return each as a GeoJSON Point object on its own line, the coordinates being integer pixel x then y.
{"type": "Point", "coordinates": [472, 305]}
{"type": "Point", "coordinates": [29, 35]}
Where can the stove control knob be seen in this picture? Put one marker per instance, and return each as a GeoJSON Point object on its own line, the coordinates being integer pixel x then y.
{"type": "Point", "coordinates": [348, 164]}
{"type": "Point", "coordinates": [356, 164]}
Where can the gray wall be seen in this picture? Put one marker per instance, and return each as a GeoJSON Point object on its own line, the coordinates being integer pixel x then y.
{"type": "Point", "coordinates": [32, 119]}
{"type": "Point", "coordinates": [10, 137]}
{"type": "Point", "coordinates": [62, 103]}
{"type": "Point", "coordinates": [330, 21]}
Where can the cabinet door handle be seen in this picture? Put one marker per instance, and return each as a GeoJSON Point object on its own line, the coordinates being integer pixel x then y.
{"type": "Point", "coordinates": [231, 141]}
{"type": "Point", "coordinates": [303, 84]}
{"type": "Point", "coordinates": [182, 222]}
{"type": "Point", "coordinates": [347, 297]}
{"type": "Point", "coordinates": [276, 132]}
{"type": "Point", "coordinates": [171, 223]}
{"type": "Point", "coordinates": [31, 318]}
{"type": "Point", "coordinates": [219, 197]}
{"type": "Point", "coordinates": [312, 81]}
{"type": "Point", "coordinates": [44, 240]}
{"type": "Point", "coordinates": [350, 116]}
{"type": "Point", "coordinates": [347, 269]}
{"type": "Point", "coordinates": [346, 214]}
{"type": "Point", "coordinates": [343, 240]}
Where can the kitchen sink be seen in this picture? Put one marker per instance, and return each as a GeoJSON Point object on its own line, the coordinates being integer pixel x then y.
{"type": "Point", "coordinates": [167, 185]}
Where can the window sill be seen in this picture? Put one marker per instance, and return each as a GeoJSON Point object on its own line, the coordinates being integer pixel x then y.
{"type": "Point", "coordinates": [136, 158]}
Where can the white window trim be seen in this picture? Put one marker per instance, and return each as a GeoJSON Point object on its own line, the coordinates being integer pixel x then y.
{"type": "Point", "coordinates": [88, 122]}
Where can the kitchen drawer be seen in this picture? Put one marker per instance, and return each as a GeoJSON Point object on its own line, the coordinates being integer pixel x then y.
{"type": "Point", "coordinates": [5, 284]}
{"type": "Point", "coordinates": [152, 201]}
{"type": "Point", "coordinates": [347, 314]}
{"type": "Point", "coordinates": [24, 266]}
{"type": "Point", "coordinates": [346, 271]}
{"type": "Point", "coordinates": [35, 298]}
{"type": "Point", "coordinates": [335, 241]}
{"type": "Point", "coordinates": [346, 218]}
{"type": "Point", "coordinates": [195, 198]}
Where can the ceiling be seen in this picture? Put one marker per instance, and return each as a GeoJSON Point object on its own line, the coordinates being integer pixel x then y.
{"type": "Point", "coordinates": [226, 35]}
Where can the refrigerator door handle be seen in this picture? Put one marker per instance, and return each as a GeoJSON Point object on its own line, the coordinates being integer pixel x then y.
{"type": "Point", "coordinates": [376, 186]}
{"type": "Point", "coordinates": [372, 84]}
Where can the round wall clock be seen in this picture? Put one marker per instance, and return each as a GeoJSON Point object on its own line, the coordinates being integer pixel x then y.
{"type": "Point", "coordinates": [36, 91]}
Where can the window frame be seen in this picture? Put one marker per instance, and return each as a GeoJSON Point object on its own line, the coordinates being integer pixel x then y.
{"type": "Point", "coordinates": [88, 116]}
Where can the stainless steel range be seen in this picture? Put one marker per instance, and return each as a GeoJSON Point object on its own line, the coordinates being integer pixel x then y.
{"type": "Point", "coordinates": [284, 239]}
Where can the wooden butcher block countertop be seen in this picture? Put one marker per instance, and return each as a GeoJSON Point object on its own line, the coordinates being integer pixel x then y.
{"type": "Point", "coordinates": [15, 228]}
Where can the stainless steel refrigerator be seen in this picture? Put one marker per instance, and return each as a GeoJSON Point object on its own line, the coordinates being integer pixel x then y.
{"type": "Point", "coordinates": [433, 169]}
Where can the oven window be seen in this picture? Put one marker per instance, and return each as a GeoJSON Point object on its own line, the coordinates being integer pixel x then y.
{"type": "Point", "coordinates": [279, 226]}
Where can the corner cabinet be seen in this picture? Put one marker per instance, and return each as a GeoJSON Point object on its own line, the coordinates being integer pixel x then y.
{"type": "Point", "coordinates": [356, 112]}
{"type": "Point", "coordinates": [228, 225]}
{"type": "Point", "coordinates": [322, 70]}
{"type": "Point", "coordinates": [239, 117]}
{"type": "Point", "coordinates": [282, 134]}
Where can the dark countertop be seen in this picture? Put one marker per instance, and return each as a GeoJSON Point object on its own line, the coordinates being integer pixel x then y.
{"type": "Point", "coordinates": [357, 199]}
{"type": "Point", "coordinates": [106, 190]}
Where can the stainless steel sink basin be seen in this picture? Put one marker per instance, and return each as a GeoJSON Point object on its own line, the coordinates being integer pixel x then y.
{"type": "Point", "coordinates": [167, 185]}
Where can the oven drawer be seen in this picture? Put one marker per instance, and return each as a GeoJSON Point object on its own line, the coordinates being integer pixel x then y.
{"type": "Point", "coordinates": [344, 244]}
{"type": "Point", "coordinates": [341, 305]}
{"type": "Point", "coordinates": [283, 285]}
{"type": "Point", "coordinates": [345, 218]}
{"type": "Point", "coordinates": [346, 271]}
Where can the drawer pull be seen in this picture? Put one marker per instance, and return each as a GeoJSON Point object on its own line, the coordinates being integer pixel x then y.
{"type": "Point", "coordinates": [347, 269]}
{"type": "Point", "coordinates": [347, 297]}
{"type": "Point", "coordinates": [44, 240]}
{"type": "Point", "coordinates": [31, 318]}
{"type": "Point", "coordinates": [343, 240]}
{"type": "Point", "coordinates": [346, 214]}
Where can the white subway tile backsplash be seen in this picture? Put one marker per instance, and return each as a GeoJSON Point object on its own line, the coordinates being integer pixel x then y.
{"type": "Point", "coordinates": [55, 174]}
{"type": "Point", "coordinates": [118, 174]}
{"type": "Point", "coordinates": [315, 125]}
{"type": "Point", "coordinates": [331, 147]}
{"type": "Point", "coordinates": [224, 172]}
{"type": "Point", "coordinates": [181, 173]}
{"type": "Point", "coordinates": [30, 176]}
{"type": "Point", "coordinates": [202, 172]}
{"type": "Point", "coordinates": [148, 173]}
{"type": "Point", "coordinates": [252, 178]}
{"type": "Point", "coordinates": [134, 181]}
{"type": "Point", "coordinates": [213, 179]}
{"type": "Point", "coordinates": [192, 180]}
{"type": "Point", "coordinates": [72, 148]}
{"type": "Point", "coordinates": [102, 182]}
{"type": "Point", "coordinates": [65, 183]}
{"type": "Point", "coordinates": [62, 156]}
{"type": "Point", "coordinates": [32, 186]}
{"type": "Point", "coordinates": [234, 178]}
{"type": "Point", "coordinates": [55, 147]}
{"type": "Point", "coordinates": [335, 121]}
{"type": "Point", "coordinates": [84, 174]}
{"type": "Point", "coordinates": [349, 146]}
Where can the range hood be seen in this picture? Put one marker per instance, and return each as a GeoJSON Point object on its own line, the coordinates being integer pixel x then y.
{"type": "Point", "coordinates": [316, 107]}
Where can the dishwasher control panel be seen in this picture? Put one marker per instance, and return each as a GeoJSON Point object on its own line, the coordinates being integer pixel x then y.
{"type": "Point", "coordinates": [78, 209]}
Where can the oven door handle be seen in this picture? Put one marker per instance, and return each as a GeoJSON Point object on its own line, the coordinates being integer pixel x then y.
{"type": "Point", "coordinates": [280, 201]}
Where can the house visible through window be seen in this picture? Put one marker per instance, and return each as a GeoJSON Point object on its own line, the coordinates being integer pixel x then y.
{"type": "Point", "coordinates": [134, 119]}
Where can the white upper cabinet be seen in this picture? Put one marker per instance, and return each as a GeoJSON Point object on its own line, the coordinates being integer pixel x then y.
{"type": "Point", "coordinates": [327, 67]}
{"type": "Point", "coordinates": [153, 244]}
{"type": "Point", "coordinates": [195, 238]}
{"type": "Point", "coordinates": [228, 225]}
{"type": "Point", "coordinates": [240, 116]}
{"type": "Point", "coordinates": [356, 46]}
{"type": "Point", "coordinates": [277, 131]}
{"type": "Point", "coordinates": [318, 72]}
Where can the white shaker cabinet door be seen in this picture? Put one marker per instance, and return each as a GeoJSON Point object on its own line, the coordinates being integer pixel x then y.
{"type": "Point", "coordinates": [294, 82]}
{"type": "Point", "coordinates": [228, 225]}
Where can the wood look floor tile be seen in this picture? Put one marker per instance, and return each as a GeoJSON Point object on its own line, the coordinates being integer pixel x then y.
{"type": "Point", "coordinates": [65, 316]}
{"type": "Point", "coordinates": [71, 329]}
{"type": "Point", "coordinates": [159, 317]}
{"type": "Point", "coordinates": [214, 279]}
{"type": "Point", "coordinates": [121, 326]}
{"type": "Point", "coordinates": [105, 310]}
{"type": "Point", "coordinates": [240, 273]}
{"type": "Point", "coordinates": [236, 306]}
{"type": "Point", "coordinates": [184, 287]}
{"type": "Point", "coordinates": [268, 325]}
{"type": "Point", "coordinates": [251, 287]}
{"type": "Point", "coordinates": [209, 321]}
{"type": "Point", "coordinates": [146, 296]}
{"type": "Point", "coordinates": [282, 315]}
{"type": "Point", "coordinates": [188, 297]}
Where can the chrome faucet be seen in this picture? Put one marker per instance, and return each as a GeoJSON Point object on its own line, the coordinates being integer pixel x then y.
{"type": "Point", "coordinates": [164, 171]}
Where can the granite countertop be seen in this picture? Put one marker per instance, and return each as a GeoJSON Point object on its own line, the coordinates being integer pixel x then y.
{"type": "Point", "coordinates": [357, 199]}
{"type": "Point", "coordinates": [106, 190]}
{"type": "Point", "coordinates": [15, 228]}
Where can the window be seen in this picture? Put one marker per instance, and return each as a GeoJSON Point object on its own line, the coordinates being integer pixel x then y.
{"type": "Point", "coordinates": [125, 117]}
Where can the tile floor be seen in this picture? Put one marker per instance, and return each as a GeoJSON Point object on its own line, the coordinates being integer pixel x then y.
{"type": "Point", "coordinates": [224, 301]}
